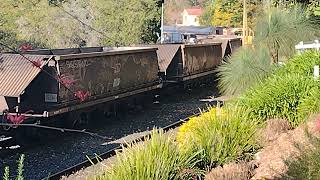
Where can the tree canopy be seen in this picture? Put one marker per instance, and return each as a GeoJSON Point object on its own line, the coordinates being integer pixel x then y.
{"type": "Point", "coordinates": [63, 23]}
{"type": "Point", "coordinates": [229, 12]}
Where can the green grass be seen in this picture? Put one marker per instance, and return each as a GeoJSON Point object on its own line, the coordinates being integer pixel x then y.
{"type": "Point", "coordinates": [278, 97]}
{"type": "Point", "coordinates": [6, 175]}
{"type": "Point", "coordinates": [159, 158]}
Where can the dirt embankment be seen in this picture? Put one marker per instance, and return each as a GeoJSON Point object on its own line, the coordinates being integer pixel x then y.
{"type": "Point", "coordinates": [279, 144]}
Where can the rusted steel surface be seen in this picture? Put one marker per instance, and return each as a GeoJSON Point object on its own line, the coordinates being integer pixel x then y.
{"type": "Point", "coordinates": [108, 73]}
{"type": "Point", "coordinates": [235, 43]}
{"type": "Point", "coordinates": [200, 58]}
{"type": "Point", "coordinates": [229, 44]}
{"type": "Point", "coordinates": [16, 72]}
{"type": "Point", "coordinates": [65, 51]}
{"type": "Point", "coordinates": [166, 53]}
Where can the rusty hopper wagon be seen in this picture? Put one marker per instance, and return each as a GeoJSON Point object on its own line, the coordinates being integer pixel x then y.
{"type": "Point", "coordinates": [46, 83]}
{"type": "Point", "coordinates": [184, 62]}
{"type": "Point", "coordinates": [78, 83]}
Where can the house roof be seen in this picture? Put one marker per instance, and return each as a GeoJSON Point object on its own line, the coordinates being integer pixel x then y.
{"type": "Point", "coordinates": [16, 72]}
{"type": "Point", "coordinates": [194, 11]}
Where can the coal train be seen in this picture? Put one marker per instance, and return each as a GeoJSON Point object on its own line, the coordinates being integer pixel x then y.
{"type": "Point", "coordinates": [78, 83]}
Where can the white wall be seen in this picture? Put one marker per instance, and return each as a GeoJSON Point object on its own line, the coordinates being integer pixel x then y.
{"type": "Point", "coordinates": [190, 20]}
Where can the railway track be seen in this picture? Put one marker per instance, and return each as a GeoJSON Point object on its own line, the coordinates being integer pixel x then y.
{"type": "Point", "coordinates": [110, 153]}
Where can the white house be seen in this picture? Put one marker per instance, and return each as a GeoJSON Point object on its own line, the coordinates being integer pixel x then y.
{"type": "Point", "coordinates": [191, 16]}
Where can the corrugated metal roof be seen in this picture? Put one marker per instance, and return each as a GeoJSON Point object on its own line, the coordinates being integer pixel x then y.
{"type": "Point", "coordinates": [16, 72]}
{"type": "Point", "coordinates": [205, 30]}
{"type": "Point", "coordinates": [166, 53]}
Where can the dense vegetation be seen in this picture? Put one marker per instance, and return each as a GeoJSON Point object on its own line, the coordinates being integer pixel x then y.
{"type": "Point", "coordinates": [276, 34]}
{"type": "Point", "coordinates": [229, 133]}
{"type": "Point", "coordinates": [229, 12]}
{"type": "Point", "coordinates": [61, 24]}
{"type": "Point", "coordinates": [221, 135]}
{"type": "Point", "coordinates": [265, 88]}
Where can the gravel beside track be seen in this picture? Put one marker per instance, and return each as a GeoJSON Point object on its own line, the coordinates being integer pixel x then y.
{"type": "Point", "coordinates": [62, 153]}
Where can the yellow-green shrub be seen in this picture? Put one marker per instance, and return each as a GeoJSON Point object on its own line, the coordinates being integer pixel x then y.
{"type": "Point", "coordinates": [219, 138]}
{"type": "Point", "coordinates": [185, 131]}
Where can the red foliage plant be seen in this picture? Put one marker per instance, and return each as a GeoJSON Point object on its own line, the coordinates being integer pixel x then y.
{"type": "Point", "coordinates": [36, 63]}
{"type": "Point", "coordinates": [25, 47]}
{"type": "Point", "coordinates": [82, 95]}
{"type": "Point", "coordinates": [65, 80]}
{"type": "Point", "coordinates": [17, 119]}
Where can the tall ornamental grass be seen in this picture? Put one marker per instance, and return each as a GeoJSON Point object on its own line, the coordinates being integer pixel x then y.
{"type": "Point", "coordinates": [159, 158]}
{"type": "Point", "coordinates": [278, 97]}
{"type": "Point", "coordinates": [219, 136]}
{"type": "Point", "coordinates": [244, 69]}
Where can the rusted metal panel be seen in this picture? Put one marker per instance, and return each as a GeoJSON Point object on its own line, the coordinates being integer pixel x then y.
{"type": "Point", "coordinates": [166, 53]}
{"type": "Point", "coordinates": [16, 72]}
{"type": "Point", "coordinates": [61, 110]}
{"type": "Point", "coordinates": [235, 43]}
{"type": "Point", "coordinates": [42, 93]}
{"type": "Point", "coordinates": [229, 44]}
{"type": "Point", "coordinates": [199, 58]}
{"type": "Point", "coordinates": [108, 73]}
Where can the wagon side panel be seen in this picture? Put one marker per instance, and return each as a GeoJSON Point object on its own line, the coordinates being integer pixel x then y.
{"type": "Point", "coordinates": [201, 58]}
{"type": "Point", "coordinates": [108, 75]}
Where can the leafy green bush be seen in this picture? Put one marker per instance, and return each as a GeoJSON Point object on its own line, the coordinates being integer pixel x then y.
{"type": "Point", "coordinates": [220, 138]}
{"type": "Point", "coordinates": [301, 64]}
{"type": "Point", "coordinates": [278, 97]}
{"type": "Point", "coordinates": [244, 69]}
{"type": "Point", "coordinates": [159, 158]}
{"type": "Point", "coordinates": [307, 165]}
{"type": "Point", "coordinates": [310, 104]}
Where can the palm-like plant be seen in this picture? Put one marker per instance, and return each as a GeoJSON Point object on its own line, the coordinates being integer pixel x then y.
{"type": "Point", "coordinates": [245, 68]}
{"type": "Point", "coordinates": [277, 32]}
{"type": "Point", "coordinates": [280, 30]}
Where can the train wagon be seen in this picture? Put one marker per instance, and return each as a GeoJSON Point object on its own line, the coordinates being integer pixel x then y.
{"type": "Point", "coordinates": [229, 44]}
{"type": "Point", "coordinates": [184, 62]}
{"type": "Point", "coordinates": [47, 83]}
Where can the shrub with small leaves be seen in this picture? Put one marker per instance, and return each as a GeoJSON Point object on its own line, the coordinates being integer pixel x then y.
{"type": "Point", "coordinates": [310, 104]}
{"type": "Point", "coordinates": [301, 64]}
{"type": "Point", "coordinates": [219, 138]}
{"type": "Point", "coordinates": [278, 97]}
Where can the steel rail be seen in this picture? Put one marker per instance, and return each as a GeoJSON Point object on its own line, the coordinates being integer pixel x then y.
{"type": "Point", "coordinates": [112, 152]}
